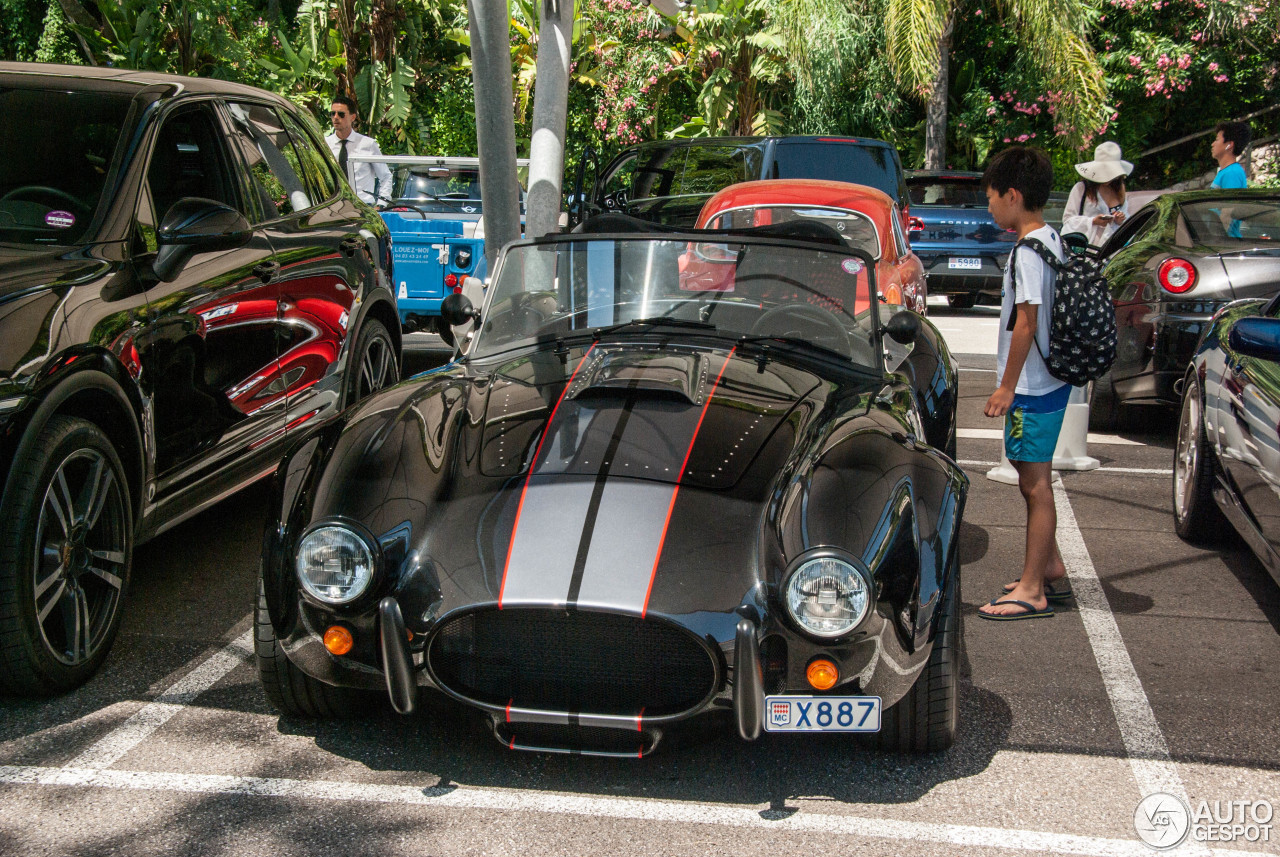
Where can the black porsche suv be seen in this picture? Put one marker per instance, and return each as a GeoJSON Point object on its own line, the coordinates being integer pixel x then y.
{"type": "Point", "coordinates": [185, 283]}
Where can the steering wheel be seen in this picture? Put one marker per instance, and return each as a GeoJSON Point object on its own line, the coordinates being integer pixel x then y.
{"type": "Point", "coordinates": [804, 321]}
{"type": "Point", "coordinates": [38, 190]}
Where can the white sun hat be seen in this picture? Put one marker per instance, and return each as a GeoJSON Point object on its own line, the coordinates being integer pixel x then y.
{"type": "Point", "coordinates": [1106, 164]}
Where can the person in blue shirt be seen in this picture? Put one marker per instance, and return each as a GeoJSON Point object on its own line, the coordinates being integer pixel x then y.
{"type": "Point", "coordinates": [1229, 144]}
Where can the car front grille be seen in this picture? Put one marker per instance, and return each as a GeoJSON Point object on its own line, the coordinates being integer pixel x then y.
{"type": "Point", "coordinates": [585, 662]}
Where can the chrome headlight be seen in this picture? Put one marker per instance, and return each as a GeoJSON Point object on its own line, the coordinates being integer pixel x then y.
{"type": "Point", "coordinates": [827, 596]}
{"type": "Point", "coordinates": [335, 564]}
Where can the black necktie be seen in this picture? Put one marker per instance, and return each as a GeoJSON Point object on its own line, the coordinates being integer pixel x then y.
{"type": "Point", "coordinates": [342, 158]}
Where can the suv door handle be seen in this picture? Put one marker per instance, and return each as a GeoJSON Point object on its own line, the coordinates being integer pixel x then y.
{"type": "Point", "coordinates": [266, 271]}
{"type": "Point", "coordinates": [352, 245]}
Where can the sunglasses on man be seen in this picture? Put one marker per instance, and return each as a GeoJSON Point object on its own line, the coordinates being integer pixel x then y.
{"type": "Point", "coordinates": [339, 113]}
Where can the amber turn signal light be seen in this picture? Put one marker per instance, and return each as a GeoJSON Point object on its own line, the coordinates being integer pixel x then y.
{"type": "Point", "coordinates": [338, 640]}
{"type": "Point", "coordinates": [822, 674]}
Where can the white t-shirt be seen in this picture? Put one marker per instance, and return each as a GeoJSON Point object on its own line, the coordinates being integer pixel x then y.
{"type": "Point", "coordinates": [1035, 286]}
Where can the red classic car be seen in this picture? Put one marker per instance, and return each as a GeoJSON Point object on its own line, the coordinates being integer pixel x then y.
{"type": "Point", "coordinates": [868, 219]}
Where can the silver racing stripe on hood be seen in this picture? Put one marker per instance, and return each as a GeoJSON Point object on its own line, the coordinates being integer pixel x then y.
{"type": "Point", "coordinates": [596, 542]}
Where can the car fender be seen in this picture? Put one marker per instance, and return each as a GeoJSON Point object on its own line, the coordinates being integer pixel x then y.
{"type": "Point", "coordinates": [70, 377]}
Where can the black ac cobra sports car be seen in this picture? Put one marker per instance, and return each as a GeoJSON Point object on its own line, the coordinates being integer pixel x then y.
{"type": "Point", "coordinates": [675, 472]}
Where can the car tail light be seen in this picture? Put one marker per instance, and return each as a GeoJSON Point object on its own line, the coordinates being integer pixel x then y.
{"type": "Point", "coordinates": [916, 225]}
{"type": "Point", "coordinates": [822, 674]}
{"type": "Point", "coordinates": [451, 280]}
{"type": "Point", "coordinates": [1177, 276]}
{"type": "Point", "coordinates": [338, 640]}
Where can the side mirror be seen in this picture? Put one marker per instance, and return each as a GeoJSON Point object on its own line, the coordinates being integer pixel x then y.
{"type": "Point", "coordinates": [903, 327]}
{"type": "Point", "coordinates": [1256, 337]}
{"type": "Point", "coordinates": [455, 309]}
{"type": "Point", "coordinates": [193, 225]}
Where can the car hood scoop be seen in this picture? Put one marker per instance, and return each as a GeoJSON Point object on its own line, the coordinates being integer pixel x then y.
{"type": "Point", "coordinates": [661, 373]}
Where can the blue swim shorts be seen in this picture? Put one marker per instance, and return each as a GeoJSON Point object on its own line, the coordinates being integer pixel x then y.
{"type": "Point", "coordinates": [1032, 425]}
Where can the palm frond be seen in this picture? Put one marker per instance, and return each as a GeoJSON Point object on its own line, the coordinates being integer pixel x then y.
{"type": "Point", "coordinates": [913, 30]}
{"type": "Point", "coordinates": [1054, 31]}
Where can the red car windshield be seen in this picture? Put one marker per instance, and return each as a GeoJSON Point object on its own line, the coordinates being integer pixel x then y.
{"type": "Point", "coordinates": [854, 226]}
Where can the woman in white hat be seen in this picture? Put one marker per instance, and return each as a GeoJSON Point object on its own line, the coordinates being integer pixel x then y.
{"type": "Point", "coordinates": [1098, 205]}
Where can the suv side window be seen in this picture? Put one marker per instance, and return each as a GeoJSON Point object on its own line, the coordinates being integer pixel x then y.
{"type": "Point", "coordinates": [616, 189]}
{"type": "Point", "coordinates": [314, 165]}
{"type": "Point", "coordinates": [710, 169]}
{"type": "Point", "coordinates": [274, 166]}
{"type": "Point", "coordinates": [658, 171]}
{"type": "Point", "coordinates": [188, 160]}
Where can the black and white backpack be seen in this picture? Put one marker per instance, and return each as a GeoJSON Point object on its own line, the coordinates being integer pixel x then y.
{"type": "Point", "coordinates": [1082, 320]}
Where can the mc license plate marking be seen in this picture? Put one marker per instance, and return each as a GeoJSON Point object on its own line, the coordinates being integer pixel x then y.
{"type": "Point", "coordinates": [822, 713]}
{"type": "Point", "coordinates": [964, 263]}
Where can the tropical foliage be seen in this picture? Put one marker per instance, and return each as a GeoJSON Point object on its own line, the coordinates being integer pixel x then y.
{"type": "Point", "coordinates": [1063, 74]}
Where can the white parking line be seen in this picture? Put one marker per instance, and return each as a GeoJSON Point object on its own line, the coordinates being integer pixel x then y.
{"type": "Point", "coordinates": [1153, 768]}
{"type": "Point", "coordinates": [998, 434]}
{"type": "Point", "coordinates": [514, 800]}
{"type": "Point", "coordinates": [119, 741]}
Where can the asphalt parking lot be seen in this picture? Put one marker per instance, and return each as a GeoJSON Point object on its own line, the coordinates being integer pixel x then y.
{"type": "Point", "coordinates": [1160, 677]}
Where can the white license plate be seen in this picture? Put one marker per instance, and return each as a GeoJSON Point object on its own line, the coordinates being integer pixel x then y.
{"type": "Point", "coordinates": [822, 713]}
{"type": "Point", "coordinates": [964, 263]}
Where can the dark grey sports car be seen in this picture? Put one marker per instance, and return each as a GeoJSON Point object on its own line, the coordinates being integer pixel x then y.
{"type": "Point", "coordinates": [674, 473]}
{"type": "Point", "coordinates": [1228, 452]}
{"type": "Point", "coordinates": [1176, 262]}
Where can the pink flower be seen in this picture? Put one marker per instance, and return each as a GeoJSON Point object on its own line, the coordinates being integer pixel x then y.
{"type": "Point", "coordinates": [1213, 66]}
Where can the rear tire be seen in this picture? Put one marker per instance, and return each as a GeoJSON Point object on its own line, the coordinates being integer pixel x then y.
{"type": "Point", "coordinates": [1196, 517]}
{"type": "Point", "coordinates": [67, 526]}
{"type": "Point", "coordinates": [962, 301]}
{"type": "Point", "coordinates": [1104, 405]}
{"type": "Point", "coordinates": [290, 689]}
{"type": "Point", "coordinates": [924, 721]}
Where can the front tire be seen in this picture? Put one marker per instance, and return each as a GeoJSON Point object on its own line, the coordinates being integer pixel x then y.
{"type": "Point", "coordinates": [373, 363]}
{"type": "Point", "coordinates": [290, 689]}
{"type": "Point", "coordinates": [924, 721]}
{"type": "Point", "coordinates": [67, 523]}
{"type": "Point", "coordinates": [1196, 517]}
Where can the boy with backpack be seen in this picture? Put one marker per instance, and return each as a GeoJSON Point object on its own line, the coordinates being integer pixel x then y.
{"type": "Point", "coordinates": [1032, 401]}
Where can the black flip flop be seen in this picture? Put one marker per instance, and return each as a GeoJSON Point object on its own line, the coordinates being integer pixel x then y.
{"type": "Point", "coordinates": [1030, 613]}
{"type": "Point", "coordinates": [1061, 592]}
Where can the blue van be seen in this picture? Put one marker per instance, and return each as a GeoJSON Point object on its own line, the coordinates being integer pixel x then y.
{"type": "Point", "coordinates": [437, 231]}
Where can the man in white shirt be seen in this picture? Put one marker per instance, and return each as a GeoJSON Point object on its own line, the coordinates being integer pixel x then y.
{"type": "Point", "coordinates": [371, 182]}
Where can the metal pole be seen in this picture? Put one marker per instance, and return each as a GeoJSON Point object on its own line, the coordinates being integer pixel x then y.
{"type": "Point", "coordinates": [495, 122]}
{"type": "Point", "coordinates": [550, 107]}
